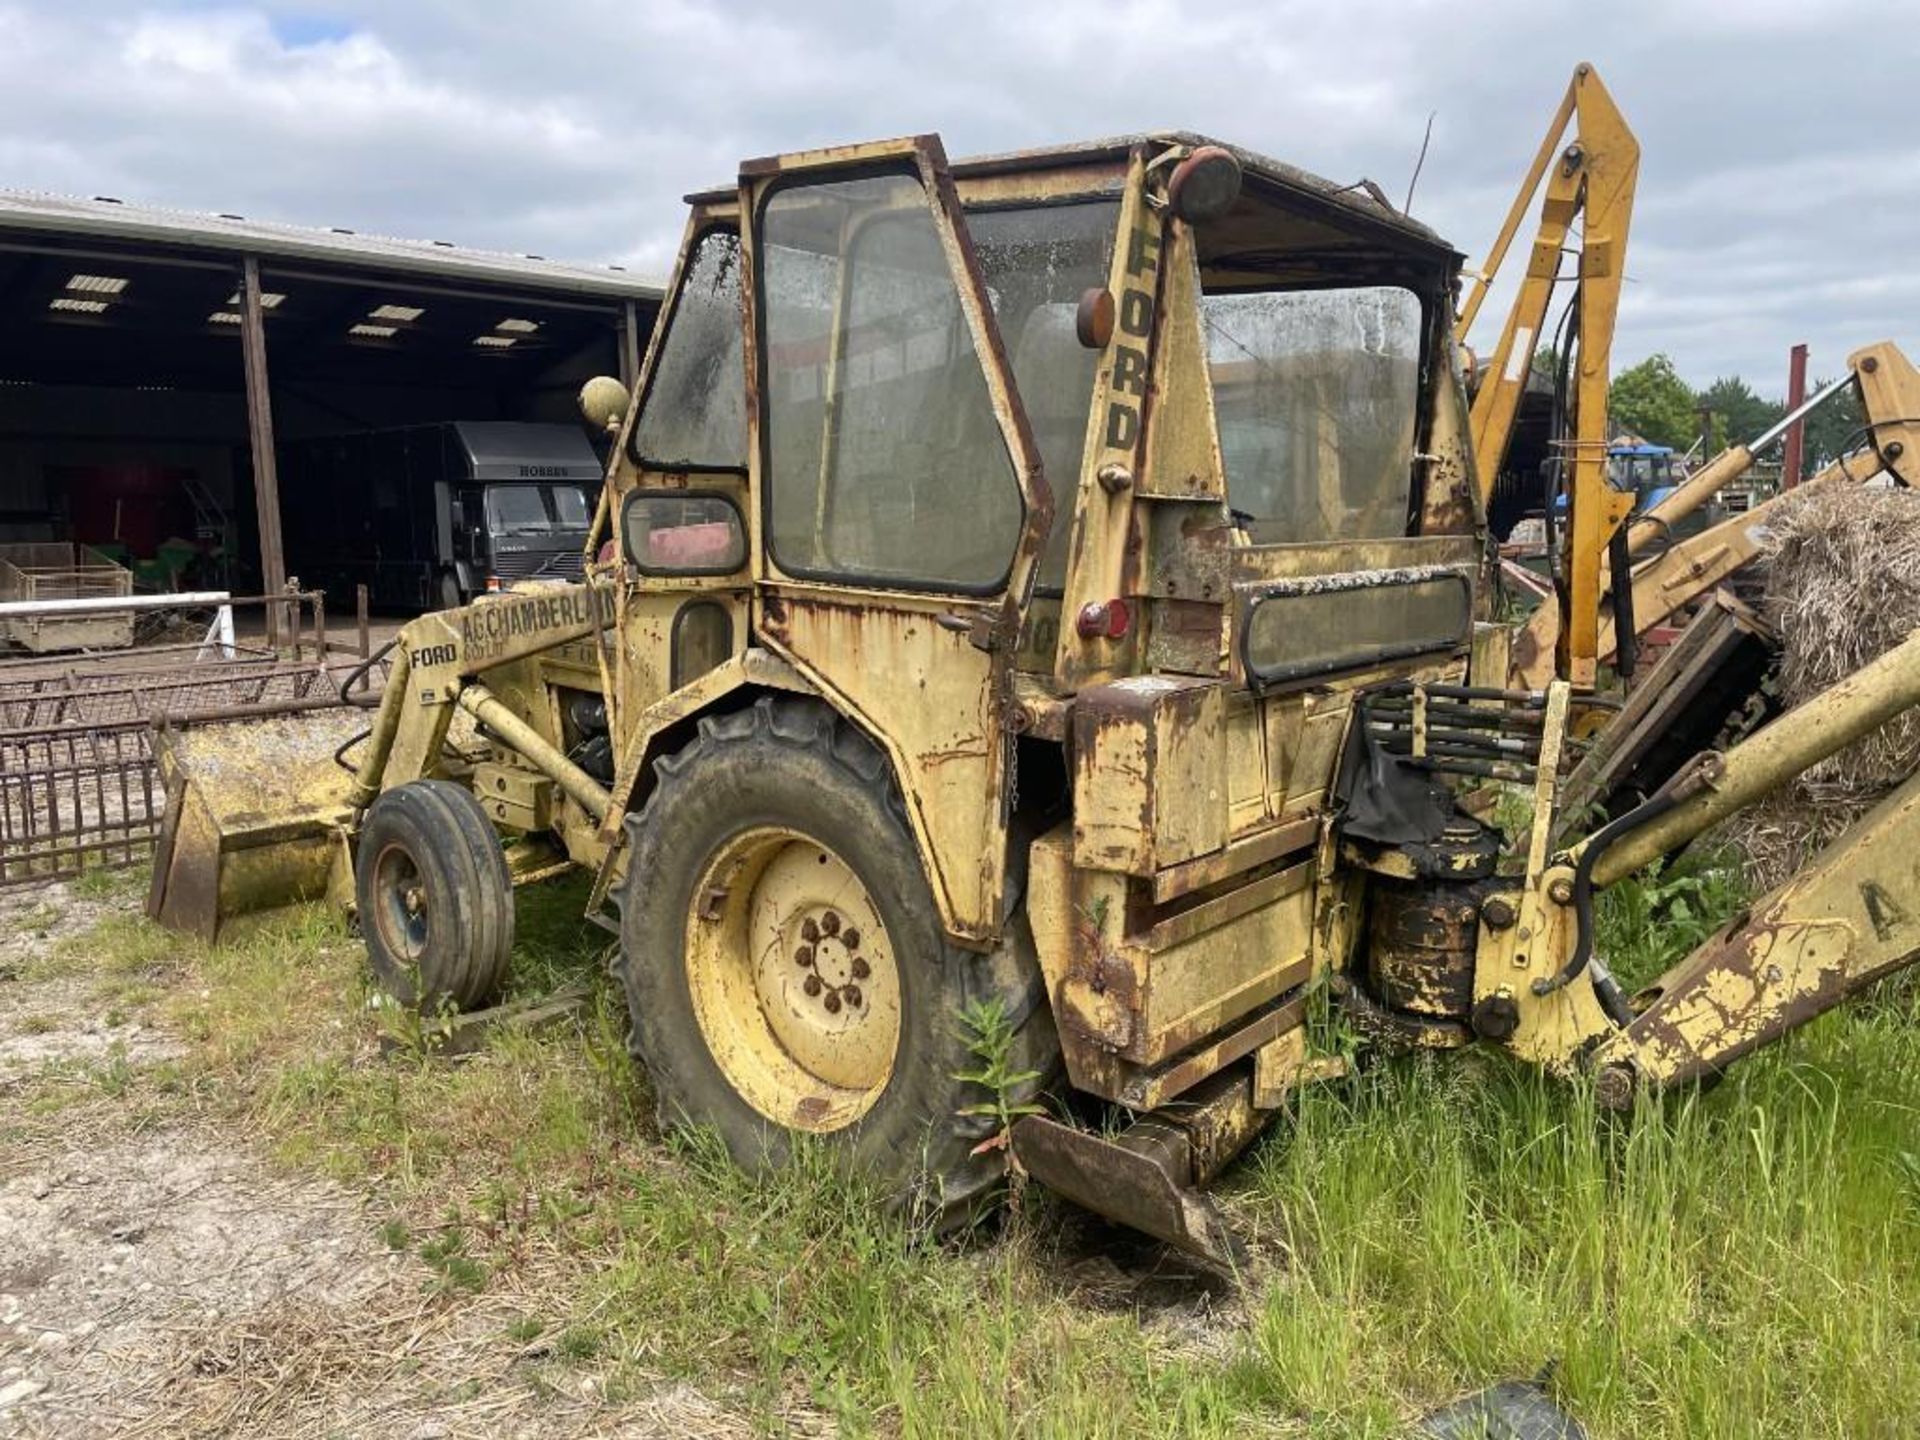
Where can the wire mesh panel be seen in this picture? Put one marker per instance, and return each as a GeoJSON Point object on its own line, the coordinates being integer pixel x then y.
{"type": "Point", "coordinates": [76, 798]}
{"type": "Point", "coordinates": [74, 696]}
{"type": "Point", "coordinates": [79, 785]}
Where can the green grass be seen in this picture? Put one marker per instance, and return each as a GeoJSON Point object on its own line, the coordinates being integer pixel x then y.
{"type": "Point", "coordinates": [1729, 1263]}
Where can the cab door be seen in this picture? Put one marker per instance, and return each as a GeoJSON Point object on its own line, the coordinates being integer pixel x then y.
{"type": "Point", "coordinates": [899, 508]}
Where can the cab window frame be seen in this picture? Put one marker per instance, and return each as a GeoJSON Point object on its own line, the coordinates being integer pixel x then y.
{"type": "Point", "coordinates": [1419, 286]}
{"type": "Point", "coordinates": [843, 298]}
{"type": "Point", "coordinates": [663, 335]}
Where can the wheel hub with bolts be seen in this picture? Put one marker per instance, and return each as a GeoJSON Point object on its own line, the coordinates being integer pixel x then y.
{"type": "Point", "coordinates": [401, 912]}
{"type": "Point", "coordinates": [830, 956]}
{"type": "Point", "coordinates": [793, 980]}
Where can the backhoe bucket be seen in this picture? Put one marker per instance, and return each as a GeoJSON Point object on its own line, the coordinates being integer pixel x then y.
{"type": "Point", "coordinates": [255, 819]}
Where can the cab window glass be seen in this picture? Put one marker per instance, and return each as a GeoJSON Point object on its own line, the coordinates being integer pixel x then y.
{"type": "Point", "coordinates": [517, 510]}
{"type": "Point", "coordinates": [1317, 394]}
{"type": "Point", "coordinates": [1037, 262]}
{"type": "Point", "coordinates": [695, 412]}
{"type": "Point", "coordinates": [669, 533]}
{"type": "Point", "coordinates": [884, 458]}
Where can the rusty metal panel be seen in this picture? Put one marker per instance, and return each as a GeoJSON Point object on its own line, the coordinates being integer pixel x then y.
{"type": "Point", "coordinates": [1150, 774]}
{"type": "Point", "coordinates": [1842, 922]}
{"type": "Point", "coordinates": [1135, 989]}
{"type": "Point", "coordinates": [1303, 736]}
{"type": "Point", "coordinates": [1101, 550]}
{"type": "Point", "coordinates": [1192, 989]}
{"type": "Point", "coordinates": [1182, 439]}
{"type": "Point", "coordinates": [1246, 733]}
{"type": "Point", "coordinates": [514, 797]}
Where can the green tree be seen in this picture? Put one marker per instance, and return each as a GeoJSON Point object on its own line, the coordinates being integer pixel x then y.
{"type": "Point", "coordinates": [1654, 402]}
{"type": "Point", "coordinates": [1739, 412]}
{"type": "Point", "coordinates": [1833, 429]}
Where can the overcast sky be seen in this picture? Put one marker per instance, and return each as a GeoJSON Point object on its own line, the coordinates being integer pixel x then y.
{"type": "Point", "coordinates": [1779, 187]}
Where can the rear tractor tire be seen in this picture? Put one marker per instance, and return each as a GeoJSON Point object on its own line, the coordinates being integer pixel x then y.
{"type": "Point", "coordinates": [435, 898]}
{"type": "Point", "coordinates": [786, 970]}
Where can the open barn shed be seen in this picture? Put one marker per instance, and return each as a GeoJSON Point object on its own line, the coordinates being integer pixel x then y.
{"type": "Point", "coordinates": [159, 370]}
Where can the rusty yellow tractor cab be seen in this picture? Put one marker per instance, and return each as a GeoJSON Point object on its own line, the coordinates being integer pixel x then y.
{"type": "Point", "coordinates": [1039, 605]}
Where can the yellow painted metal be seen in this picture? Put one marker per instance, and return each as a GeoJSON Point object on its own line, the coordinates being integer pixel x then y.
{"type": "Point", "coordinates": [535, 749]}
{"type": "Point", "coordinates": [1847, 918]}
{"type": "Point", "coordinates": [1591, 181]}
{"type": "Point", "coordinates": [1841, 923]}
{"type": "Point", "coordinates": [1510, 959]}
{"type": "Point", "coordinates": [1182, 437]}
{"type": "Point", "coordinates": [1890, 395]}
{"type": "Point", "coordinates": [1102, 518]}
{"type": "Point", "coordinates": [1134, 991]}
{"type": "Point", "coordinates": [954, 653]}
{"type": "Point", "coordinates": [1150, 773]}
{"type": "Point", "coordinates": [793, 980]}
{"type": "Point", "coordinates": [1777, 752]}
{"type": "Point", "coordinates": [1451, 503]}
{"type": "Point", "coordinates": [252, 821]}
{"type": "Point", "coordinates": [515, 797]}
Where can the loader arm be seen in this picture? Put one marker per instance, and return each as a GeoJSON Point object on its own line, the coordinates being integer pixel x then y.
{"type": "Point", "coordinates": [437, 660]}
{"type": "Point", "coordinates": [255, 832]}
{"type": "Point", "coordinates": [1591, 182]}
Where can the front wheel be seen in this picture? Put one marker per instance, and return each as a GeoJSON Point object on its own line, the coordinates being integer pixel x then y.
{"type": "Point", "coordinates": [435, 898]}
{"type": "Point", "coordinates": [786, 970]}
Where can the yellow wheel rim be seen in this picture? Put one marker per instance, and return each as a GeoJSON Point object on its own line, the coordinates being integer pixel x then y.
{"type": "Point", "coordinates": [793, 980]}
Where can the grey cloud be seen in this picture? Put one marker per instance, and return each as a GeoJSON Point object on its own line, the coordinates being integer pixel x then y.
{"type": "Point", "coordinates": [1778, 189]}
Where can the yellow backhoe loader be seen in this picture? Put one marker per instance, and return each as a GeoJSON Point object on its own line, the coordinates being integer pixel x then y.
{"type": "Point", "coordinates": [1051, 586]}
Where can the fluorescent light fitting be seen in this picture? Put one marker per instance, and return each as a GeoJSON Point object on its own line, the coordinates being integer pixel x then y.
{"type": "Point", "coordinates": [77, 307]}
{"type": "Point", "coordinates": [374, 332]}
{"type": "Point", "coordinates": [268, 300]}
{"type": "Point", "coordinates": [495, 342]}
{"type": "Point", "coordinates": [97, 284]}
{"type": "Point", "coordinates": [518, 327]}
{"type": "Point", "coordinates": [224, 317]}
{"type": "Point", "coordinates": [405, 313]}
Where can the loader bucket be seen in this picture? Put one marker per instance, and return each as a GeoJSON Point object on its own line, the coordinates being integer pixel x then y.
{"type": "Point", "coordinates": [255, 819]}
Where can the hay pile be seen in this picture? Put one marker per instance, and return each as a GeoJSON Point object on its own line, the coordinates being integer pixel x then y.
{"type": "Point", "coordinates": [1842, 587]}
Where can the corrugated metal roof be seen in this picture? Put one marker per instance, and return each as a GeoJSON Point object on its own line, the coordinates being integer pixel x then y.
{"type": "Point", "coordinates": [109, 219]}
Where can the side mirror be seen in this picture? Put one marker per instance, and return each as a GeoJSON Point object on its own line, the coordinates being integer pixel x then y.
{"type": "Point", "coordinates": [1204, 186]}
{"type": "Point", "coordinates": [603, 403]}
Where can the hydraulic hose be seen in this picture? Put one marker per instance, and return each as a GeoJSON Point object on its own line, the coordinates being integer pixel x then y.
{"type": "Point", "coordinates": [359, 673]}
{"type": "Point", "coordinates": [1590, 854]}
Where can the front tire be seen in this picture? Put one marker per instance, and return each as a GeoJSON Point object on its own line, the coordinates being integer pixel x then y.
{"type": "Point", "coordinates": [435, 899]}
{"type": "Point", "coordinates": [787, 973]}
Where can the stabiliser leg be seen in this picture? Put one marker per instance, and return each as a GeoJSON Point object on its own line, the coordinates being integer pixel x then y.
{"type": "Point", "coordinates": [1148, 1176]}
{"type": "Point", "coordinates": [1843, 922]}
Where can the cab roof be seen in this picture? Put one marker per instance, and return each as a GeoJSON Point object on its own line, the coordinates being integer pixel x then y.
{"type": "Point", "coordinates": [1361, 201]}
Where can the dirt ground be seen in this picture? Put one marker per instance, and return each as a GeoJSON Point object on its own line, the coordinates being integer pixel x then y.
{"type": "Point", "coordinates": [160, 1276]}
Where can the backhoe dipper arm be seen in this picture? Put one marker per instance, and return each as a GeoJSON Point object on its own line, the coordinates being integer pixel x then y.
{"type": "Point", "coordinates": [1592, 182]}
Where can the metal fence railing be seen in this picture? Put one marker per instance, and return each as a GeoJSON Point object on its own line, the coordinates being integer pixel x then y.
{"type": "Point", "coordinates": [79, 785]}
{"type": "Point", "coordinates": [76, 798]}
